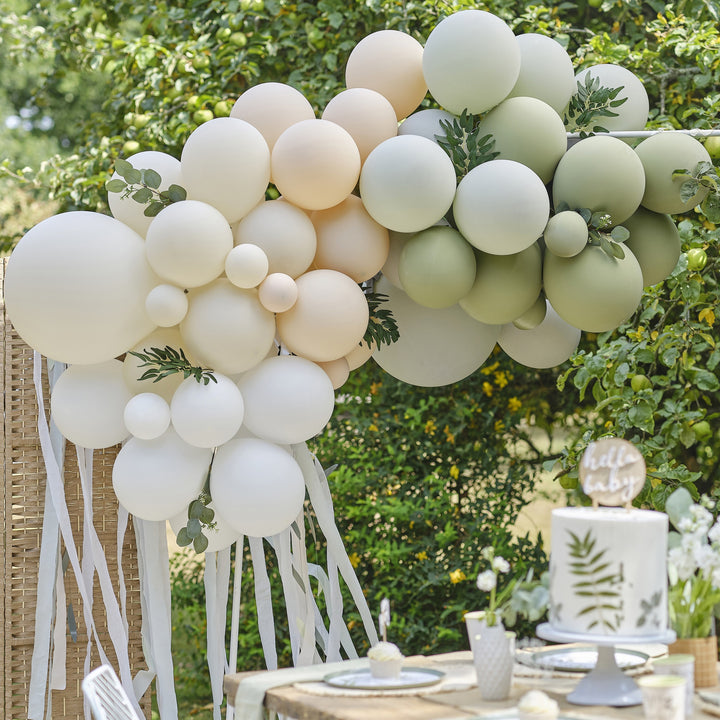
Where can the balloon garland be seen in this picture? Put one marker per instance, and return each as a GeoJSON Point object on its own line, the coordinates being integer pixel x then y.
{"type": "Point", "coordinates": [476, 224]}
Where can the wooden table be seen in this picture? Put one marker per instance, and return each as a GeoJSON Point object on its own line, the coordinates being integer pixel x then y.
{"type": "Point", "coordinates": [456, 705]}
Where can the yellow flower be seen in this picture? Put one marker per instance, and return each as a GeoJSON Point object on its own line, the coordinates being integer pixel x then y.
{"type": "Point", "coordinates": [422, 555]}
{"type": "Point", "coordinates": [501, 379]}
{"type": "Point", "coordinates": [708, 316]}
{"type": "Point", "coordinates": [709, 225]}
{"type": "Point", "coordinates": [489, 369]}
{"type": "Point", "coordinates": [430, 427]}
{"type": "Point", "coordinates": [608, 424]}
{"type": "Point", "coordinates": [499, 425]}
{"type": "Point", "coordinates": [354, 559]}
{"type": "Point", "coordinates": [448, 435]}
{"type": "Point", "coordinates": [373, 427]}
{"type": "Point", "coordinates": [374, 387]}
{"type": "Point", "coordinates": [457, 576]}
{"type": "Point", "coordinates": [454, 472]}
{"type": "Point", "coordinates": [487, 389]}
{"type": "Point", "coordinates": [654, 335]}
{"type": "Point", "coordinates": [514, 404]}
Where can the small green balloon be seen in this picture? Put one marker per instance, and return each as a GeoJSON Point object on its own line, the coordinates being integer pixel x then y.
{"type": "Point", "coordinates": [533, 317]}
{"type": "Point", "coordinates": [566, 233]}
{"type": "Point", "coordinates": [655, 242]}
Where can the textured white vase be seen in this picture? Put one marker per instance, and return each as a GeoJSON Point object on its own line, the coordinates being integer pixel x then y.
{"type": "Point", "coordinates": [494, 655]}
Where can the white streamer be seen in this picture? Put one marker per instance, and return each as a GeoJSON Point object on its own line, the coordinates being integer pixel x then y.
{"type": "Point", "coordinates": [217, 578]}
{"type": "Point", "coordinates": [263, 601]}
{"type": "Point", "coordinates": [235, 614]}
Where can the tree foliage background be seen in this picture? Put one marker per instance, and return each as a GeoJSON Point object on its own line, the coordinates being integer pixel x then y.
{"type": "Point", "coordinates": [426, 477]}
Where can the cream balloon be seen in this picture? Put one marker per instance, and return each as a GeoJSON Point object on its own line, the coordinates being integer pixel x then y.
{"type": "Point", "coordinates": [87, 404]}
{"type": "Point", "coordinates": [186, 244]}
{"type": "Point", "coordinates": [660, 156]}
{"type": "Point", "coordinates": [207, 414]}
{"type": "Point", "coordinates": [528, 131]}
{"type": "Point", "coordinates": [487, 203]}
{"type": "Point", "coordinates": [75, 288]}
{"type": "Point", "coordinates": [315, 164]}
{"type": "Point", "coordinates": [655, 242]}
{"type": "Point", "coordinates": [277, 292]}
{"type": "Point", "coordinates": [603, 174]}
{"type": "Point", "coordinates": [367, 115]}
{"type": "Point", "coordinates": [389, 62]}
{"type": "Point", "coordinates": [131, 212]}
{"type": "Point", "coordinates": [349, 240]}
{"type": "Point", "coordinates": [391, 268]}
{"type": "Point", "coordinates": [436, 347]}
{"type": "Point", "coordinates": [284, 232]}
{"type": "Point", "coordinates": [226, 328]}
{"type": "Point", "coordinates": [219, 537]}
{"type": "Point", "coordinates": [458, 55]}
{"type": "Point", "coordinates": [272, 108]}
{"type": "Point", "coordinates": [546, 71]}
{"type": "Point", "coordinates": [288, 399]}
{"type": "Point", "coordinates": [226, 163]}
{"type": "Point", "coordinates": [246, 266]}
{"type": "Point", "coordinates": [157, 479]}
{"type": "Point", "coordinates": [258, 485]}
{"type": "Point", "coordinates": [147, 416]}
{"type": "Point", "coordinates": [407, 183]}
{"type": "Point", "coordinates": [337, 370]}
{"type": "Point", "coordinates": [633, 113]}
{"type": "Point", "coordinates": [547, 345]}
{"type": "Point", "coordinates": [166, 305]}
{"type": "Point", "coordinates": [328, 319]}
{"type": "Point", "coordinates": [426, 123]}
{"type": "Point", "coordinates": [359, 355]}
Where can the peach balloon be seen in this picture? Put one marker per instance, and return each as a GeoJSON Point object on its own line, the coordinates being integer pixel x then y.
{"type": "Point", "coordinates": [367, 115]}
{"type": "Point", "coordinates": [277, 292]}
{"type": "Point", "coordinates": [391, 268]}
{"type": "Point", "coordinates": [337, 370]}
{"type": "Point", "coordinates": [349, 240]}
{"type": "Point", "coordinates": [329, 318]}
{"type": "Point", "coordinates": [284, 232]}
{"type": "Point", "coordinates": [359, 355]}
{"type": "Point", "coordinates": [272, 108]}
{"type": "Point", "coordinates": [389, 62]}
{"type": "Point", "coordinates": [315, 164]}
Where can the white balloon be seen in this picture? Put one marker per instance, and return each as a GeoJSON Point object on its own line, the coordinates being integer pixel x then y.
{"type": "Point", "coordinates": [288, 399]}
{"type": "Point", "coordinates": [129, 211]}
{"type": "Point", "coordinates": [187, 243]}
{"type": "Point", "coordinates": [258, 485]}
{"type": "Point", "coordinates": [156, 479]}
{"type": "Point", "coordinates": [75, 288]}
{"type": "Point", "coordinates": [147, 416]}
{"type": "Point", "coordinates": [87, 404]}
{"type": "Point", "coordinates": [166, 305]}
{"type": "Point", "coordinates": [207, 414]}
{"type": "Point", "coordinates": [246, 266]}
{"type": "Point", "coordinates": [547, 345]}
{"type": "Point", "coordinates": [278, 292]}
{"type": "Point", "coordinates": [226, 163]}
{"type": "Point", "coordinates": [426, 123]}
{"type": "Point", "coordinates": [436, 347]}
{"type": "Point", "coordinates": [219, 537]}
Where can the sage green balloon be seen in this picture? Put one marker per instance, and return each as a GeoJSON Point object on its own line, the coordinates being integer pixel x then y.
{"type": "Point", "coordinates": [603, 174]}
{"type": "Point", "coordinates": [505, 287]}
{"type": "Point", "coordinates": [437, 267]}
{"type": "Point", "coordinates": [528, 131]}
{"type": "Point", "coordinates": [661, 155]}
{"type": "Point", "coordinates": [566, 233]}
{"type": "Point", "coordinates": [534, 316]}
{"type": "Point", "coordinates": [655, 242]}
{"type": "Point", "coordinates": [593, 291]}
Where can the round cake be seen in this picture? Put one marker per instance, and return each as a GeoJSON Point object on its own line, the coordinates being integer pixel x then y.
{"type": "Point", "coordinates": [608, 571]}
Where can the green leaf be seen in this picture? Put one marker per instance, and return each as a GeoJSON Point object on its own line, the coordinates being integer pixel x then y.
{"type": "Point", "coordinates": [176, 193]}
{"type": "Point", "coordinates": [195, 509]}
{"type": "Point", "coordinates": [207, 516]}
{"type": "Point", "coordinates": [677, 506]}
{"type": "Point", "coordinates": [153, 209]}
{"type": "Point", "coordinates": [151, 178]}
{"type": "Point", "coordinates": [619, 233]}
{"type": "Point", "coordinates": [194, 528]}
{"type": "Point", "coordinates": [711, 207]}
{"type": "Point", "coordinates": [122, 167]}
{"type": "Point", "coordinates": [116, 185]}
{"type": "Point", "coordinates": [200, 544]}
{"type": "Point", "coordinates": [183, 539]}
{"type": "Point", "coordinates": [142, 196]}
{"type": "Point", "coordinates": [688, 189]}
{"type": "Point", "coordinates": [617, 250]}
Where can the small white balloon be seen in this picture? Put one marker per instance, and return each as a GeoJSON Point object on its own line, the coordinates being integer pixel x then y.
{"type": "Point", "coordinates": [277, 292]}
{"type": "Point", "coordinates": [147, 416]}
{"type": "Point", "coordinates": [166, 305]}
{"type": "Point", "coordinates": [246, 266]}
{"type": "Point", "coordinates": [426, 123]}
{"type": "Point", "coordinates": [207, 414]}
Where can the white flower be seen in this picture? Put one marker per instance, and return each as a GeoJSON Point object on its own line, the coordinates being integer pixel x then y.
{"type": "Point", "coordinates": [682, 561]}
{"type": "Point", "coordinates": [487, 553]}
{"type": "Point", "coordinates": [500, 564]}
{"type": "Point", "coordinates": [714, 533]}
{"type": "Point", "coordinates": [698, 522]}
{"type": "Point", "coordinates": [487, 581]}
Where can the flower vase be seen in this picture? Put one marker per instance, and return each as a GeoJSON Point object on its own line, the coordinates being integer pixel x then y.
{"type": "Point", "coordinates": [494, 655]}
{"type": "Point", "coordinates": [705, 652]}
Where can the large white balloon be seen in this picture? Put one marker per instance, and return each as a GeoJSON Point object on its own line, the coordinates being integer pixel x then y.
{"type": "Point", "coordinates": [547, 345]}
{"type": "Point", "coordinates": [88, 402]}
{"type": "Point", "coordinates": [157, 479]}
{"type": "Point", "coordinates": [75, 288]}
{"type": "Point", "coordinates": [287, 399]}
{"type": "Point", "coordinates": [226, 163]}
{"type": "Point", "coordinates": [436, 347]}
{"type": "Point", "coordinates": [219, 537]}
{"type": "Point", "coordinates": [258, 485]}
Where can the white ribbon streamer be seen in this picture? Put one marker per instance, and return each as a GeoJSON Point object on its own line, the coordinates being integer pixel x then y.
{"type": "Point", "coordinates": [263, 601]}
{"type": "Point", "coordinates": [235, 614]}
{"type": "Point", "coordinates": [217, 579]}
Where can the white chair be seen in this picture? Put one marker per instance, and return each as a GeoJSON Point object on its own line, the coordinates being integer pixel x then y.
{"type": "Point", "coordinates": [106, 696]}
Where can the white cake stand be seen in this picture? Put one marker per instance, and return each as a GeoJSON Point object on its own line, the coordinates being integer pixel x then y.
{"type": "Point", "coordinates": [606, 684]}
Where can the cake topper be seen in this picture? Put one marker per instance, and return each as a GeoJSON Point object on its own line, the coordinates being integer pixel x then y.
{"type": "Point", "coordinates": [612, 472]}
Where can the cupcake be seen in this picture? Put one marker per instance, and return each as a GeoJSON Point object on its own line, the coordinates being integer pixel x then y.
{"type": "Point", "coordinates": [536, 705]}
{"type": "Point", "coordinates": [385, 660]}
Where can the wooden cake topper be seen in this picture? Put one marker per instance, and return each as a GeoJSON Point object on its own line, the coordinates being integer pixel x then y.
{"type": "Point", "coordinates": [612, 472]}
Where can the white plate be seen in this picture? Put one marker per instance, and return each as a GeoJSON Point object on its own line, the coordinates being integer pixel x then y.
{"type": "Point", "coordinates": [410, 677]}
{"type": "Point", "coordinates": [579, 659]}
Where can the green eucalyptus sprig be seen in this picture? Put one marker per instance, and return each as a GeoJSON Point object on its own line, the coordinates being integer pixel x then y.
{"type": "Point", "coordinates": [200, 517]}
{"type": "Point", "coordinates": [142, 186]}
{"type": "Point", "coordinates": [162, 362]}
{"type": "Point", "coordinates": [591, 102]}
{"type": "Point", "coordinates": [703, 175]}
{"type": "Point", "coordinates": [464, 144]}
{"type": "Point", "coordinates": [610, 241]}
{"type": "Point", "coordinates": [382, 327]}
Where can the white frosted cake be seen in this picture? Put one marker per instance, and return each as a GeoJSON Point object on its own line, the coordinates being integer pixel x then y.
{"type": "Point", "coordinates": [608, 573]}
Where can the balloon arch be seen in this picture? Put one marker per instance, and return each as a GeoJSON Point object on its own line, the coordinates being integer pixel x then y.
{"type": "Point", "coordinates": [480, 223]}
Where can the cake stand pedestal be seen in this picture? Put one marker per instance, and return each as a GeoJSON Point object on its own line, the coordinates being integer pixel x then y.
{"type": "Point", "coordinates": [606, 684]}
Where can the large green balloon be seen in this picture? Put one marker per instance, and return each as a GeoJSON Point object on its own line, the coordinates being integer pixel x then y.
{"type": "Point", "coordinates": [506, 286]}
{"type": "Point", "coordinates": [655, 242]}
{"type": "Point", "coordinates": [593, 291]}
{"type": "Point", "coordinates": [528, 131]}
{"type": "Point", "coordinates": [437, 267]}
{"type": "Point", "coordinates": [603, 174]}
